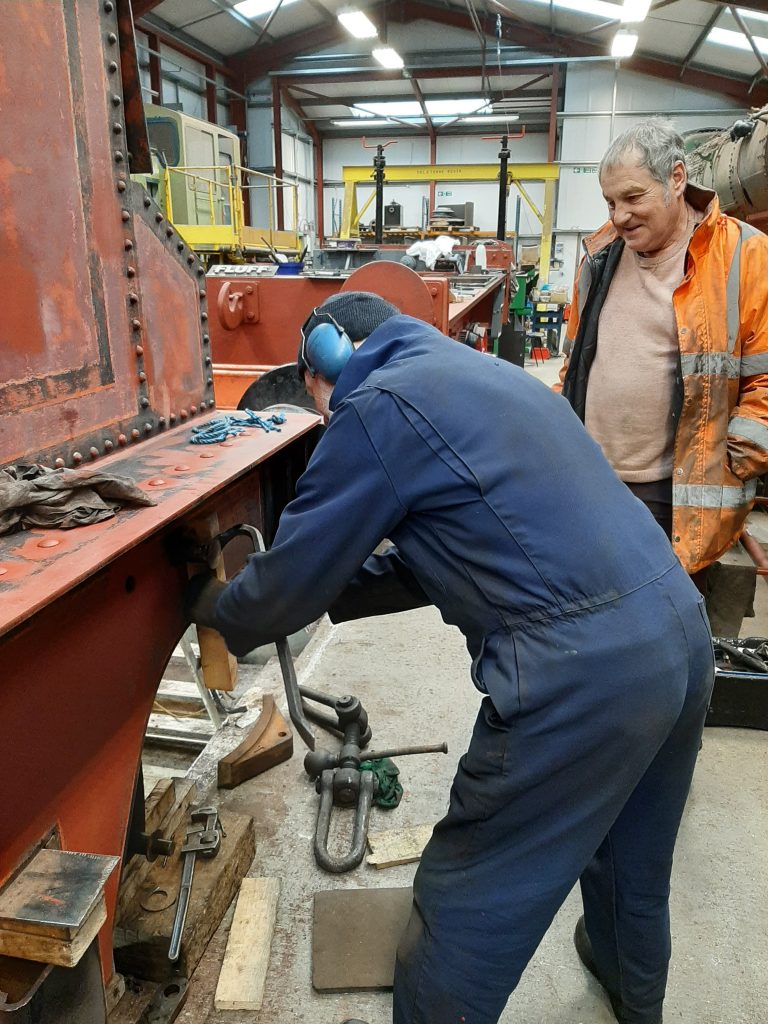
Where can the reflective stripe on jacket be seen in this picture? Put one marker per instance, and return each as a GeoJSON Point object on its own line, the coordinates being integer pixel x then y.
{"type": "Point", "coordinates": [721, 312]}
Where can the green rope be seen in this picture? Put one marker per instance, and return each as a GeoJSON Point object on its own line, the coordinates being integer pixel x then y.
{"type": "Point", "coordinates": [389, 792]}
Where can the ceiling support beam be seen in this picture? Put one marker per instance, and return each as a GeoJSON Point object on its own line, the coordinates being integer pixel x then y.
{"type": "Point", "coordinates": [750, 38]}
{"type": "Point", "coordinates": [422, 103]}
{"type": "Point", "coordinates": [142, 7]}
{"type": "Point", "coordinates": [552, 140]}
{"type": "Point", "coordinates": [515, 29]}
{"type": "Point", "coordinates": [177, 44]}
{"type": "Point", "coordinates": [155, 78]}
{"type": "Point", "coordinates": [700, 40]}
{"type": "Point", "coordinates": [277, 134]}
{"type": "Point", "coordinates": [383, 75]}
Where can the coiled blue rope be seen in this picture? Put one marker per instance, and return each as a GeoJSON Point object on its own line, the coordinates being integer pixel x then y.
{"type": "Point", "coordinates": [222, 427]}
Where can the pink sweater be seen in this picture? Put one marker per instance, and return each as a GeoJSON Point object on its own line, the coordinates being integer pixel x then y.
{"type": "Point", "coordinates": [632, 379]}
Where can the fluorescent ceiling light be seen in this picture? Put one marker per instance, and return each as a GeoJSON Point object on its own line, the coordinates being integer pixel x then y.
{"type": "Point", "coordinates": [635, 10]}
{"type": "Point", "coordinates": [725, 37]}
{"type": "Point", "coordinates": [599, 8]}
{"type": "Point", "coordinates": [623, 44]}
{"type": "Point", "coordinates": [255, 8]}
{"type": "Point", "coordinates": [358, 24]}
{"type": "Point", "coordinates": [387, 57]}
{"type": "Point", "coordinates": [412, 108]}
{"type": "Point", "coordinates": [357, 123]}
{"type": "Point", "coordinates": [490, 119]}
{"type": "Point", "coordinates": [756, 15]}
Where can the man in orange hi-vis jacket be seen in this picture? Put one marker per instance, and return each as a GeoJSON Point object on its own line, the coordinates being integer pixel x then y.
{"type": "Point", "coordinates": [668, 345]}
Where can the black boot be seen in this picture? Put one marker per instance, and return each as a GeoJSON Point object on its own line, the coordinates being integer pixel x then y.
{"type": "Point", "coordinates": [584, 949]}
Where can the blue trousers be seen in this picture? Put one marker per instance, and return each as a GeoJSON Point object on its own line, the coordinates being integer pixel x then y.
{"type": "Point", "coordinates": [587, 782]}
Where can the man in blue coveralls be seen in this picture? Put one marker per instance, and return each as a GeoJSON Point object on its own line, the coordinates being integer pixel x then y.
{"type": "Point", "coordinates": [589, 643]}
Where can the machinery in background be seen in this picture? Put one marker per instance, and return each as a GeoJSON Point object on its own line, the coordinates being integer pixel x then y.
{"type": "Point", "coordinates": [255, 319]}
{"type": "Point", "coordinates": [445, 219]}
{"type": "Point", "coordinates": [104, 367]}
{"type": "Point", "coordinates": [208, 196]}
{"type": "Point", "coordinates": [734, 162]}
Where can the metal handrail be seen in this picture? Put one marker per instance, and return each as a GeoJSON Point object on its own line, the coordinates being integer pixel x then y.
{"type": "Point", "coordinates": [229, 194]}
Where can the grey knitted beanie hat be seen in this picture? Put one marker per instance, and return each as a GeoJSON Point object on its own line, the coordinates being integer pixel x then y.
{"type": "Point", "coordinates": [358, 313]}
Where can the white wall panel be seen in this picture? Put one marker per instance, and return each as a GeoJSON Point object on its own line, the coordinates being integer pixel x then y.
{"type": "Point", "coordinates": [584, 140]}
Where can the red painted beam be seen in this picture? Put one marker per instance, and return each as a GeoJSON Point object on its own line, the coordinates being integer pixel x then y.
{"type": "Point", "coordinates": [260, 60]}
{"type": "Point", "coordinates": [142, 7]}
{"type": "Point", "coordinates": [155, 78]}
{"type": "Point", "coordinates": [552, 141]}
{"type": "Point", "coordinates": [375, 75]}
{"type": "Point", "coordinates": [320, 197]}
{"type": "Point", "coordinates": [277, 131]}
{"type": "Point", "coordinates": [210, 94]}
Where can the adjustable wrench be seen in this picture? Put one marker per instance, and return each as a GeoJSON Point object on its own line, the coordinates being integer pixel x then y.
{"type": "Point", "coordinates": [203, 839]}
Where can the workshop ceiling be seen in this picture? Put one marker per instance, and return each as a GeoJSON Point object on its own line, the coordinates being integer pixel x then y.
{"type": "Point", "coordinates": [501, 52]}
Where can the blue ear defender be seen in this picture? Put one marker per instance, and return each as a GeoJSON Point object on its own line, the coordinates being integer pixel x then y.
{"type": "Point", "coordinates": [325, 350]}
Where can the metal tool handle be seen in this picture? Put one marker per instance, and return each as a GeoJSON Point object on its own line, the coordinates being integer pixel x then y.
{"type": "Point", "coordinates": [182, 906]}
{"type": "Point", "coordinates": [377, 755]}
{"type": "Point", "coordinates": [352, 858]}
{"type": "Point", "coordinates": [290, 682]}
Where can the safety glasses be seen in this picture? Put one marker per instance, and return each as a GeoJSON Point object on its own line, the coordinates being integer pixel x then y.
{"type": "Point", "coordinates": [303, 363]}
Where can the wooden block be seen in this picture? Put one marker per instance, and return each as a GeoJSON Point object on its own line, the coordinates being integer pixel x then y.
{"type": "Point", "coordinates": [142, 938]}
{"type": "Point", "coordinates": [355, 933]}
{"type": "Point", "coordinates": [114, 990]}
{"type": "Point", "coordinates": [398, 845]}
{"type": "Point", "coordinates": [49, 949]}
{"type": "Point", "coordinates": [176, 796]}
{"type": "Point", "coordinates": [218, 666]}
{"type": "Point", "coordinates": [269, 742]}
{"type": "Point", "coordinates": [244, 971]}
{"type": "Point", "coordinates": [158, 803]}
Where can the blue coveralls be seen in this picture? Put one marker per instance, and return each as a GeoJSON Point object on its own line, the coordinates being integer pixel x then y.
{"type": "Point", "coordinates": [587, 638]}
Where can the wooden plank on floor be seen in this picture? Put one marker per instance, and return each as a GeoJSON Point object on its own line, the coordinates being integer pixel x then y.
{"type": "Point", "coordinates": [398, 845]}
{"type": "Point", "coordinates": [244, 971]}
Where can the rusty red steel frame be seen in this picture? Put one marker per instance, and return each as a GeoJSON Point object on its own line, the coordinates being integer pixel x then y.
{"type": "Point", "coordinates": [104, 360]}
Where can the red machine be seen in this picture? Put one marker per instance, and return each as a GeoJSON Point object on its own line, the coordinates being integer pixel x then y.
{"type": "Point", "coordinates": [255, 320]}
{"type": "Point", "coordinates": [105, 363]}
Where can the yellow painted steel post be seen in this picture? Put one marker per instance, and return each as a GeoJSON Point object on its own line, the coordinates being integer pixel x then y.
{"type": "Point", "coordinates": [526, 196]}
{"type": "Point", "coordinates": [168, 201]}
{"type": "Point", "coordinates": [211, 203]}
{"type": "Point", "coordinates": [349, 211]}
{"type": "Point", "coordinates": [546, 230]}
{"type": "Point", "coordinates": [363, 208]}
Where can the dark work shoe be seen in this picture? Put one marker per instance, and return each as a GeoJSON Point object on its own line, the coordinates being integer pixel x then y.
{"type": "Point", "coordinates": [584, 949]}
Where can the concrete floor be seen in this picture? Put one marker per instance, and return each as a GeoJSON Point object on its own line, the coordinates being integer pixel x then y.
{"type": "Point", "coordinates": [411, 672]}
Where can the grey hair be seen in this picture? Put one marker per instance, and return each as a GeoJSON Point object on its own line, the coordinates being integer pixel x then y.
{"type": "Point", "coordinates": [656, 143]}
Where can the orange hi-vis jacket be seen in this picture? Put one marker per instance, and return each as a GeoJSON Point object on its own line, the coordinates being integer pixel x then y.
{"type": "Point", "coordinates": [721, 310]}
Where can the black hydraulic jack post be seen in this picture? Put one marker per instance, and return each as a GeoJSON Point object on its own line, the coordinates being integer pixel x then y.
{"type": "Point", "coordinates": [501, 229]}
{"type": "Point", "coordinates": [379, 163]}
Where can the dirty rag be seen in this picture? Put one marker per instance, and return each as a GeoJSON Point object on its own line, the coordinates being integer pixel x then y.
{"type": "Point", "coordinates": [33, 496]}
{"type": "Point", "coordinates": [389, 792]}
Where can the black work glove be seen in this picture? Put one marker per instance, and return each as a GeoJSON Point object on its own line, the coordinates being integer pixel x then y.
{"type": "Point", "coordinates": [200, 598]}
